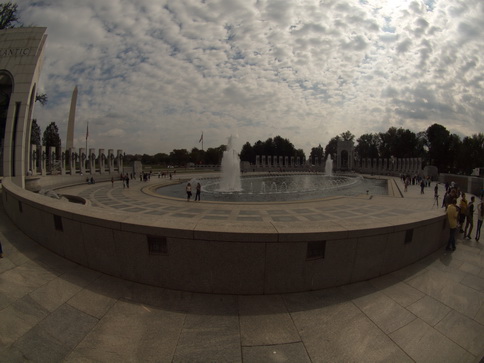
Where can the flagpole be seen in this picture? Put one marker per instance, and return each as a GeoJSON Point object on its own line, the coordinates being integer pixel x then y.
{"type": "Point", "coordinates": [201, 140]}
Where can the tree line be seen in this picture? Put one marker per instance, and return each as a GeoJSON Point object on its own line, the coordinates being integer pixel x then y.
{"type": "Point", "coordinates": [436, 146]}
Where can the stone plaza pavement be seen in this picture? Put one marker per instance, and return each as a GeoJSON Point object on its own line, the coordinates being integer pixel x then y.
{"type": "Point", "coordinates": [52, 310]}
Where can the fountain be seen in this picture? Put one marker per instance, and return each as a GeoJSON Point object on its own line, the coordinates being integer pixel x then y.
{"type": "Point", "coordinates": [329, 166]}
{"type": "Point", "coordinates": [230, 180]}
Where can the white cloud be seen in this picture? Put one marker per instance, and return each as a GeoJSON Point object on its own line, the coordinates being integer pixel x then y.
{"type": "Point", "coordinates": [153, 74]}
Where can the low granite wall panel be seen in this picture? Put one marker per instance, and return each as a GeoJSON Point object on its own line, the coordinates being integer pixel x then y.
{"type": "Point", "coordinates": [370, 257]}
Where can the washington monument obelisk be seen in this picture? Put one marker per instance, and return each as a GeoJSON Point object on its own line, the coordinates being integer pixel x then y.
{"type": "Point", "coordinates": [72, 117]}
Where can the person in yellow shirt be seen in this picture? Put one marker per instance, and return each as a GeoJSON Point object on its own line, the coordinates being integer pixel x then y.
{"type": "Point", "coordinates": [452, 215]}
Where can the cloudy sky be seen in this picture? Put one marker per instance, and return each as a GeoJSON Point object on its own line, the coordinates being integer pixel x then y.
{"type": "Point", "coordinates": [153, 75]}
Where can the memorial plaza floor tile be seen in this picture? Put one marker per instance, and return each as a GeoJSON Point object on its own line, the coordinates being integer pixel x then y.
{"type": "Point", "coordinates": [384, 312]}
{"type": "Point", "coordinates": [429, 310]}
{"type": "Point", "coordinates": [264, 320]}
{"type": "Point", "coordinates": [292, 352]}
{"type": "Point", "coordinates": [426, 344]}
{"type": "Point", "coordinates": [464, 331]}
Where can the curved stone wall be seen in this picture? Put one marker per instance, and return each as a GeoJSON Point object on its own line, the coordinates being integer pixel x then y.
{"type": "Point", "coordinates": [228, 259]}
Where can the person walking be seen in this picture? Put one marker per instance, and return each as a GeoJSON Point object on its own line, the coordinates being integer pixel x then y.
{"type": "Point", "coordinates": [480, 217]}
{"type": "Point", "coordinates": [198, 191]}
{"type": "Point", "coordinates": [469, 219]}
{"type": "Point", "coordinates": [188, 189]}
{"type": "Point", "coordinates": [452, 214]}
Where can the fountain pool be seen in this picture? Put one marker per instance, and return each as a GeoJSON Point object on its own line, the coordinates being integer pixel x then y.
{"type": "Point", "coordinates": [281, 188]}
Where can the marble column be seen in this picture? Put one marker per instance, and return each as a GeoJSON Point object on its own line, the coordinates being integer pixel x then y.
{"type": "Point", "coordinates": [62, 159]}
{"type": "Point", "coordinates": [72, 160]}
{"type": "Point", "coordinates": [82, 160]}
{"type": "Point", "coordinates": [111, 161]}
{"type": "Point", "coordinates": [102, 161]}
{"type": "Point", "coordinates": [119, 159]}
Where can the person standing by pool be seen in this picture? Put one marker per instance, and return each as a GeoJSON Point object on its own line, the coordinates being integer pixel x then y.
{"type": "Point", "coordinates": [189, 191]}
{"type": "Point", "coordinates": [452, 214]}
{"type": "Point", "coordinates": [198, 191]}
{"type": "Point", "coordinates": [469, 218]}
{"type": "Point", "coordinates": [480, 217]}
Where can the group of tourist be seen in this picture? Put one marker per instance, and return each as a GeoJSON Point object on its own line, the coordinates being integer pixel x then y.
{"type": "Point", "coordinates": [416, 180]}
{"type": "Point", "coordinates": [461, 215]}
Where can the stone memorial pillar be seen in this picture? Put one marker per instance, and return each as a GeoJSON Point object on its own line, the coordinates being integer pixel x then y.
{"type": "Point", "coordinates": [102, 161]}
{"type": "Point", "coordinates": [33, 159]}
{"type": "Point", "coordinates": [286, 161]}
{"type": "Point", "coordinates": [49, 159]}
{"type": "Point", "coordinates": [43, 161]}
{"type": "Point", "coordinates": [92, 161]}
{"type": "Point", "coordinates": [62, 160]}
{"type": "Point", "coordinates": [72, 160]}
{"type": "Point", "coordinates": [111, 161]}
{"type": "Point", "coordinates": [82, 160]}
{"type": "Point", "coordinates": [119, 160]}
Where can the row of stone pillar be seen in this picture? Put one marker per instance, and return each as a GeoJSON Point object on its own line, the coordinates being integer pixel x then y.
{"type": "Point", "coordinates": [365, 165]}
{"type": "Point", "coordinates": [264, 161]}
{"type": "Point", "coordinates": [394, 165]}
{"type": "Point", "coordinates": [48, 160]}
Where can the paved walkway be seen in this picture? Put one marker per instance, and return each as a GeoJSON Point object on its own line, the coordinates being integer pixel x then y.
{"type": "Point", "coordinates": [52, 310]}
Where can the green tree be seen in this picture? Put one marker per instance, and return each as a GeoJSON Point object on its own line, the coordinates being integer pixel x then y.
{"type": "Point", "coordinates": [316, 152]}
{"type": "Point", "coordinates": [146, 159]}
{"type": "Point", "coordinates": [213, 156]}
{"type": "Point", "coordinates": [367, 146]}
{"type": "Point", "coordinates": [400, 143]}
{"type": "Point", "coordinates": [179, 157]}
{"type": "Point", "coordinates": [247, 153]}
{"type": "Point", "coordinates": [283, 147]}
{"type": "Point", "coordinates": [450, 159]}
{"type": "Point", "coordinates": [258, 148]}
{"type": "Point", "coordinates": [35, 133]}
{"type": "Point", "coordinates": [438, 142]}
{"type": "Point", "coordinates": [300, 153]}
{"type": "Point", "coordinates": [51, 136]}
{"type": "Point", "coordinates": [8, 16]}
{"type": "Point", "coordinates": [160, 159]}
{"type": "Point", "coordinates": [197, 156]}
{"type": "Point", "coordinates": [332, 147]}
{"type": "Point", "coordinates": [347, 136]}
